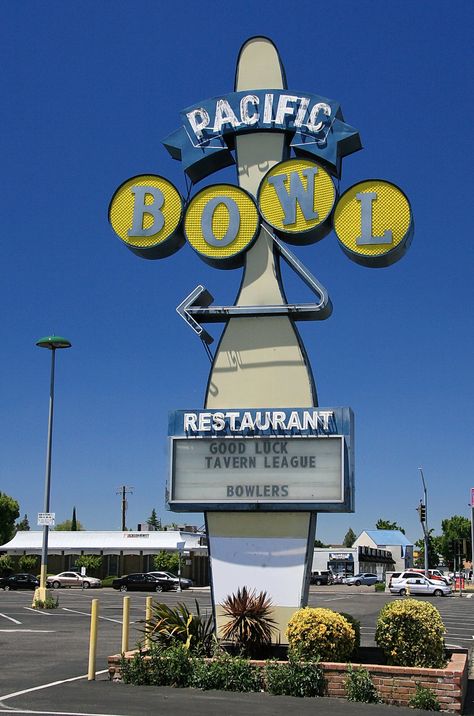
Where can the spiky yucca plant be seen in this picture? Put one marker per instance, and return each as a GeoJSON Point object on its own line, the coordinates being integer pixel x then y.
{"type": "Point", "coordinates": [172, 625]}
{"type": "Point", "coordinates": [250, 624]}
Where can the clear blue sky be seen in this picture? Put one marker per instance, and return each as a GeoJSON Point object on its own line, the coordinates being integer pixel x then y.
{"type": "Point", "coordinates": [89, 90]}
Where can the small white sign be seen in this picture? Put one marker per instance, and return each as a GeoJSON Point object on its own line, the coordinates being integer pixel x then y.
{"type": "Point", "coordinates": [83, 571]}
{"type": "Point", "coordinates": [46, 518]}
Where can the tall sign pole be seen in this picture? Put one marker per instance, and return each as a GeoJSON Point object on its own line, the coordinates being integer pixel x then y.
{"type": "Point", "coordinates": [261, 459]}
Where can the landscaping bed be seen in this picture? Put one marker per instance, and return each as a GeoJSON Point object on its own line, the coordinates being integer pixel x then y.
{"type": "Point", "coordinates": [409, 667]}
{"type": "Point", "coordinates": [396, 685]}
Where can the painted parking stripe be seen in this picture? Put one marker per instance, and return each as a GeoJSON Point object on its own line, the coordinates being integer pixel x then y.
{"type": "Point", "coordinates": [52, 713]}
{"type": "Point", "coordinates": [47, 686]}
{"type": "Point", "coordinates": [38, 611]}
{"type": "Point", "coordinates": [15, 621]}
{"type": "Point", "coordinates": [27, 631]}
{"type": "Point", "coordinates": [87, 614]}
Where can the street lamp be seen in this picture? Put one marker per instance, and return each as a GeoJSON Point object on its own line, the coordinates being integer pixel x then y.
{"type": "Point", "coordinates": [52, 343]}
{"type": "Point", "coordinates": [180, 548]}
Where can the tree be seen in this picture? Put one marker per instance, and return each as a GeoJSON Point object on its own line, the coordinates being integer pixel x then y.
{"type": "Point", "coordinates": [74, 520]}
{"type": "Point", "coordinates": [166, 561]}
{"type": "Point", "coordinates": [9, 512]}
{"type": "Point", "coordinates": [28, 562]}
{"type": "Point", "coordinates": [92, 562]}
{"type": "Point", "coordinates": [23, 525]}
{"type": "Point", "coordinates": [66, 526]}
{"type": "Point", "coordinates": [154, 521]}
{"type": "Point", "coordinates": [6, 564]}
{"type": "Point", "coordinates": [318, 543]}
{"type": "Point", "coordinates": [433, 551]}
{"type": "Point", "coordinates": [350, 538]}
{"type": "Point", "coordinates": [454, 528]}
{"type": "Point", "coordinates": [387, 525]}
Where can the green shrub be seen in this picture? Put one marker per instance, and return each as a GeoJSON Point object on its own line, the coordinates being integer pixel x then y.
{"type": "Point", "coordinates": [379, 587]}
{"type": "Point", "coordinates": [48, 603]}
{"type": "Point", "coordinates": [355, 624]}
{"type": "Point", "coordinates": [173, 625]}
{"type": "Point", "coordinates": [171, 666]}
{"type": "Point", "coordinates": [136, 670]}
{"type": "Point", "coordinates": [226, 673]}
{"type": "Point", "coordinates": [424, 699]}
{"type": "Point", "coordinates": [411, 633]}
{"type": "Point", "coordinates": [250, 623]}
{"type": "Point", "coordinates": [359, 686]}
{"type": "Point", "coordinates": [294, 678]}
{"type": "Point", "coordinates": [320, 634]}
{"type": "Point", "coordinates": [107, 582]}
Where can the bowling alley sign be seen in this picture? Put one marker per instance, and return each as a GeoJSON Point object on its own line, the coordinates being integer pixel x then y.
{"type": "Point", "coordinates": [297, 200]}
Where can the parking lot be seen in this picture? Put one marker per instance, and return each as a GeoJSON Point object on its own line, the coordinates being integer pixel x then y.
{"type": "Point", "coordinates": [40, 648]}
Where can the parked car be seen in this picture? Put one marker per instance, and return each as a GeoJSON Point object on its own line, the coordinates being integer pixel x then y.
{"type": "Point", "coordinates": [367, 578]}
{"type": "Point", "coordinates": [318, 577]}
{"type": "Point", "coordinates": [433, 574]}
{"type": "Point", "coordinates": [398, 577]}
{"type": "Point", "coordinates": [19, 581]}
{"type": "Point", "coordinates": [420, 585]}
{"type": "Point", "coordinates": [185, 583]}
{"type": "Point", "coordinates": [72, 579]}
{"type": "Point", "coordinates": [141, 582]}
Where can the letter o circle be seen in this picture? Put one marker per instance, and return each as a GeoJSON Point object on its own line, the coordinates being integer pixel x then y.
{"type": "Point", "coordinates": [221, 223]}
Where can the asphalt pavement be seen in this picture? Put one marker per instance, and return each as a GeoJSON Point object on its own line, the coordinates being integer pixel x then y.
{"type": "Point", "coordinates": [44, 658]}
{"type": "Point", "coordinates": [110, 699]}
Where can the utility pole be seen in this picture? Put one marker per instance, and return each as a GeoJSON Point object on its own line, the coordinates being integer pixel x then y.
{"type": "Point", "coordinates": [124, 490]}
{"type": "Point", "coordinates": [424, 520]}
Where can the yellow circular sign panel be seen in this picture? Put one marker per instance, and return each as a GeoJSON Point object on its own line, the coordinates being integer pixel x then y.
{"type": "Point", "coordinates": [146, 212]}
{"type": "Point", "coordinates": [221, 223]}
{"type": "Point", "coordinates": [374, 223]}
{"type": "Point", "coordinates": [296, 198]}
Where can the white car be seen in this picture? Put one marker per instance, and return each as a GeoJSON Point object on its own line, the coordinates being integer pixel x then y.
{"type": "Point", "coordinates": [420, 585]}
{"type": "Point", "coordinates": [72, 579]}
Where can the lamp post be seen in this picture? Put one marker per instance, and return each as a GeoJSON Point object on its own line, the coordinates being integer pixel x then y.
{"type": "Point", "coordinates": [52, 343]}
{"type": "Point", "coordinates": [180, 548]}
{"type": "Point", "coordinates": [425, 523]}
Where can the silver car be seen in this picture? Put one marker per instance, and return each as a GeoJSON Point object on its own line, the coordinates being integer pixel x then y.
{"type": "Point", "coordinates": [72, 579]}
{"type": "Point", "coordinates": [420, 585]}
{"type": "Point", "coordinates": [367, 578]}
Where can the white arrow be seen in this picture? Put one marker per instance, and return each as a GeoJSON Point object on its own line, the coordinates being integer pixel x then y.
{"type": "Point", "coordinates": [196, 308]}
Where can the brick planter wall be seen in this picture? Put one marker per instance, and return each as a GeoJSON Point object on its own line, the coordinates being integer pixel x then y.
{"type": "Point", "coordinates": [395, 684]}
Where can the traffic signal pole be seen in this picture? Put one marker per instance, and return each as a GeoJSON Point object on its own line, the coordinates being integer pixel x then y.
{"type": "Point", "coordinates": [424, 522]}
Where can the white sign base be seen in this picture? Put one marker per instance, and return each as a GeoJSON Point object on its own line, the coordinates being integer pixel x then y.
{"type": "Point", "coordinates": [265, 552]}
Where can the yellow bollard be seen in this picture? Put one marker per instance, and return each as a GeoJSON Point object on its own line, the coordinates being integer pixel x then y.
{"type": "Point", "coordinates": [125, 624]}
{"type": "Point", "coordinates": [93, 640]}
{"type": "Point", "coordinates": [149, 601]}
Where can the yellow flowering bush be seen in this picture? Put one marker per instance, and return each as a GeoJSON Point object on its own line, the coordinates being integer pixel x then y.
{"type": "Point", "coordinates": [320, 634]}
{"type": "Point", "coordinates": [411, 633]}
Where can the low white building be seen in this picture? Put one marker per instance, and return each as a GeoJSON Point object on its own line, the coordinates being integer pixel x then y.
{"type": "Point", "coordinates": [122, 552]}
{"type": "Point", "coordinates": [347, 561]}
{"type": "Point", "coordinates": [394, 541]}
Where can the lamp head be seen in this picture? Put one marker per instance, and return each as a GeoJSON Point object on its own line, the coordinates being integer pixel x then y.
{"type": "Point", "coordinates": [53, 342]}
